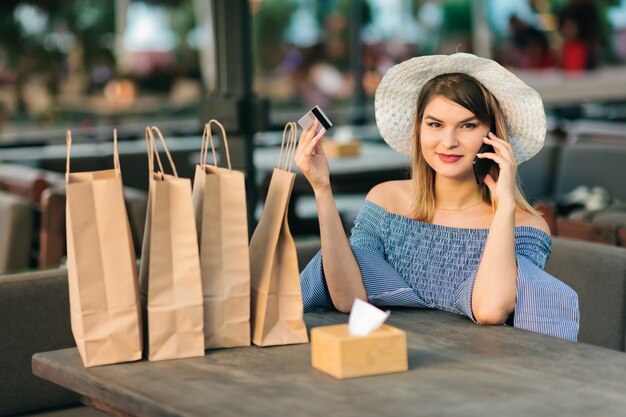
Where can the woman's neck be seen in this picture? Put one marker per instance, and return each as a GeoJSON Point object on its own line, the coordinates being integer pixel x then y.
{"type": "Point", "coordinates": [456, 195]}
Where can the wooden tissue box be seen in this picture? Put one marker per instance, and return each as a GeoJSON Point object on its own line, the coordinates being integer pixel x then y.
{"type": "Point", "coordinates": [334, 149]}
{"type": "Point", "coordinates": [336, 352]}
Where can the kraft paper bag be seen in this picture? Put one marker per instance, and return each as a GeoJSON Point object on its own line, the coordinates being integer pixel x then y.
{"type": "Point", "coordinates": [169, 273]}
{"type": "Point", "coordinates": [102, 273]}
{"type": "Point", "coordinates": [277, 310]}
{"type": "Point", "coordinates": [219, 197]}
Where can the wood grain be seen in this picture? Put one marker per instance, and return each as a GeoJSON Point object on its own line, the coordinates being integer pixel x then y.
{"type": "Point", "coordinates": [455, 368]}
{"type": "Point", "coordinates": [336, 352]}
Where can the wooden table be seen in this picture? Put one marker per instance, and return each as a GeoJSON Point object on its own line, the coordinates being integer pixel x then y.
{"type": "Point", "coordinates": [456, 368]}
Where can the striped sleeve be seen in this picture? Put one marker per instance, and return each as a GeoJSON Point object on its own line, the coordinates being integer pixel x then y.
{"type": "Point", "coordinates": [383, 284]}
{"type": "Point", "coordinates": [315, 296]}
{"type": "Point", "coordinates": [544, 304]}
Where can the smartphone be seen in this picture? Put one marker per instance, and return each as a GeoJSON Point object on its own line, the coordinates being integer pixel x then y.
{"type": "Point", "coordinates": [309, 118]}
{"type": "Point", "coordinates": [482, 166]}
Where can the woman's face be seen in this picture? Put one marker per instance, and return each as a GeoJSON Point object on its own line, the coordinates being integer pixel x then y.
{"type": "Point", "coordinates": [450, 138]}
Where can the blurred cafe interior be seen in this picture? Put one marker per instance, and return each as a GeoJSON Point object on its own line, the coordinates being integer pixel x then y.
{"type": "Point", "coordinates": [92, 66]}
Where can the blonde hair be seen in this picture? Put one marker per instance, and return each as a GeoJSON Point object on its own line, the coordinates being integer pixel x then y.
{"type": "Point", "coordinates": [471, 94]}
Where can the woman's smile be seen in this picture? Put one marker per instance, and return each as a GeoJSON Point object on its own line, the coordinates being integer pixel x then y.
{"type": "Point", "coordinates": [449, 158]}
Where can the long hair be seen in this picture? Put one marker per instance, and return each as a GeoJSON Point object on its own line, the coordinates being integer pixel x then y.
{"type": "Point", "coordinates": [471, 94]}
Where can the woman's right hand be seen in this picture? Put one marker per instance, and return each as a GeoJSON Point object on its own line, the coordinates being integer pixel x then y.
{"type": "Point", "coordinates": [311, 160]}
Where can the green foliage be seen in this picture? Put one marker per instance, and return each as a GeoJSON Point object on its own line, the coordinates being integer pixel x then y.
{"type": "Point", "coordinates": [268, 26]}
{"type": "Point", "coordinates": [457, 16]}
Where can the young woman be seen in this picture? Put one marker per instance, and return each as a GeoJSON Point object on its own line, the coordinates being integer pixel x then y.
{"type": "Point", "coordinates": [444, 239]}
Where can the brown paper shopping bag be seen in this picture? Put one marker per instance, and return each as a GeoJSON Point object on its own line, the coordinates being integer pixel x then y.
{"type": "Point", "coordinates": [219, 197]}
{"type": "Point", "coordinates": [277, 311]}
{"type": "Point", "coordinates": [169, 274]}
{"type": "Point", "coordinates": [102, 274]}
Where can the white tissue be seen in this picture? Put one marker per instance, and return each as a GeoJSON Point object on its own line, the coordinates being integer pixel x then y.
{"type": "Point", "coordinates": [365, 318]}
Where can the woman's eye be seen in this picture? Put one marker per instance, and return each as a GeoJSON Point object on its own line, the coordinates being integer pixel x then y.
{"type": "Point", "coordinates": [434, 124]}
{"type": "Point", "coordinates": [469, 125]}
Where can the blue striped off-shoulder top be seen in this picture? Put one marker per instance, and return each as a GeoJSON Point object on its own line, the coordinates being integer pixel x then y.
{"type": "Point", "coordinates": [409, 263]}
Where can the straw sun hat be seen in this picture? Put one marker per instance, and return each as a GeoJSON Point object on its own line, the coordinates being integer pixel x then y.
{"type": "Point", "coordinates": [396, 100]}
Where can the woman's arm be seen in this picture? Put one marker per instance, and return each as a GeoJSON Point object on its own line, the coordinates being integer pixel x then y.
{"type": "Point", "coordinates": [342, 273]}
{"type": "Point", "coordinates": [495, 287]}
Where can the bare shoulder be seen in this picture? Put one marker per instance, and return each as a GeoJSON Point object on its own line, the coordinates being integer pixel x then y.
{"type": "Point", "coordinates": [523, 218]}
{"type": "Point", "coordinates": [393, 196]}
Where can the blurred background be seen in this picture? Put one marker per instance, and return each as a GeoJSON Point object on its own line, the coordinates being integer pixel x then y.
{"type": "Point", "coordinates": [89, 63]}
{"type": "Point", "coordinates": [94, 65]}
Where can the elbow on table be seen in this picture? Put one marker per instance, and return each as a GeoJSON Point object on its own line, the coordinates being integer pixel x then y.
{"type": "Point", "coordinates": [343, 306]}
{"type": "Point", "coordinates": [491, 314]}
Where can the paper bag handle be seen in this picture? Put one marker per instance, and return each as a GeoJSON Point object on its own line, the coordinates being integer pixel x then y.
{"type": "Point", "coordinates": [150, 145]}
{"type": "Point", "coordinates": [116, 153]}
{"type": "Point", "coordinates": [68, 142]}
{"type": "Point", "coordinates": [153, 151]}
{"type": "Point", "coordinates": [204, 147]}
{"type": "Point", "coordinates": [167, 151]}
{"type": "Point", "coordinates": [207, 138]}
{"type": "Point", "coordinates": [290, 148]}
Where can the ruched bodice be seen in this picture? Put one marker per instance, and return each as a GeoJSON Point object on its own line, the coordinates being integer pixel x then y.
{"type": "Point", "coordinates": [405, 262]}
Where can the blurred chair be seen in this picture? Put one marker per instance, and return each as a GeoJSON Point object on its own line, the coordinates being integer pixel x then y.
{"type": "Point", "coordinates": [584, 230]}
{"type": "Point", "coordinates": [52, 226]}
{"type": "Point", "coordinates": [537, 175]}
{"type": "Point", "coordinates": [16, 231]}
{"type": "Point", "coordinates": [592, 164]}
{"type": "Point", "coordinates": [52, 246]}
{"type": "Point", "coordinates": [32, 183]}
{"type": "Point", "coordinates": [27, 181]}
{"type": "Point", "coordinates": [621, 236]}
{"type": "Point", "coordinates": [598, 274]}
{"type": "Point", "coordinates": [34, 317]}
{"type": "Point", "coordinates": [46, 192]}
{"type": "Point", "coordinates": [597, 131]}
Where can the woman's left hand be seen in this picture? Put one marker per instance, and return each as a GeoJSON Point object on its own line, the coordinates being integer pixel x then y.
{"type": "Point", "coordinates": [503, 191]}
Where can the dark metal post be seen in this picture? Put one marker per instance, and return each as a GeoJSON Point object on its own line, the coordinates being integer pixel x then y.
{"type": "Point", "coordinates": [357, 12]}
{"type": "Point", "coordinates": [233, 102]}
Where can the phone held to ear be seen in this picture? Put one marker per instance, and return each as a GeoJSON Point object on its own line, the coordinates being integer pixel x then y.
{"type": "Point", "coordinates": [482, 166]}
{"type": "Point", "coordinates": [315, 113]}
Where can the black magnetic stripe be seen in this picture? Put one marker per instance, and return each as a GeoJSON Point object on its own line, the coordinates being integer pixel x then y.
{"type": "Point", "coordinates": [323, 120]}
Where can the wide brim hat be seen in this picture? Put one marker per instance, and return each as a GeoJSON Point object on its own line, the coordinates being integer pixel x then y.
{"type": "Point", "coordinates": [396, 100]}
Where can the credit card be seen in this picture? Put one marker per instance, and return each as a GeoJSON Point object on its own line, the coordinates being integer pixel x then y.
{"type": "Point", "coordinates": [315, 113]}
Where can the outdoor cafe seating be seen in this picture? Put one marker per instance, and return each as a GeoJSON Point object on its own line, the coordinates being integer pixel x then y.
{"type": "Point", "coordinates": [34, 311]}
{"type": "Point", "coordinates": [34, 305]}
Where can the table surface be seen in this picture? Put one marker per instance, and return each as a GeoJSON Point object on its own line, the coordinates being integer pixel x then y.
{"type": "Point", "coordinates": [455, 368]}
{"type": "Point", "coordinates": [557, 87]}
{"type": "Point", "coordinates": [375, 163]}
